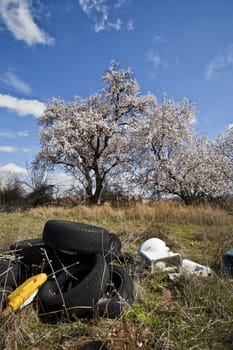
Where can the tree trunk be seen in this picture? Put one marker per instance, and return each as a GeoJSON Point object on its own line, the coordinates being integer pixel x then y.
{"type": "Point", "coordinates": [95, 198]}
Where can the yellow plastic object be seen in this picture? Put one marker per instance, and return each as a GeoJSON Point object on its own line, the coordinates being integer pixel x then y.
{"type": "Point", "coordinates": [24, 292]}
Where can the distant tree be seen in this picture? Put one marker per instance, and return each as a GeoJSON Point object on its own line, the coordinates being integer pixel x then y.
{"type": "Point", "coordinates": [90, 137]}
{"type": "Point", "coordinates": [40, 191]}
{"type": "Point", "coordinates": [11, 190]}
{"type": "Point", "coordinates": [173, 159]}
{"type": "Point", "coordinates": [224, 146]}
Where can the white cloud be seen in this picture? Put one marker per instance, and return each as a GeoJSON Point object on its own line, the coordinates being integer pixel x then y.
{"type": "Point", "coordinates": [154, 58]}
{"type": "Point", "coordinates": [159, 39]}
{"type": "Point", "coordinates": [63, 181]}
{"type": "Point", "coordinates": [8, 134]}
{"type": "Point", "coordinates": [17, 16]}
{"type": "Point", "coordinates": [87, 6]}
{"type": "Point", "coordinates": [102, 14]}
{"type": "Point", "coordinates": [23, 133]}
{"type": "Point", "coordinates": [26, 150]}
{"type": "Point", "coordinates": [104, 24]}
{"type": "Point", "coordinates": [213, 67]}
{"type": "Point", "coordinates": [119, 3]}
{"type": "Point", "coordinates": [65, 184]}
{"type": "Point", "coordinates": [22, 106]}
{"type": "Point", "coordinates": [19, 85]}
{"type": "Point", "coordinates": [13, 168]}
{"type": "Point", "coordinates": [130, 24]}
{"type": "Point", "coordinates": [219, 63]}
{"type": "Point", "coordinates": [8, 149]}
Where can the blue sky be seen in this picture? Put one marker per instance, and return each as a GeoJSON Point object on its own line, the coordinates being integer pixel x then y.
{"type": "Point", "coordinates": [61, 48]}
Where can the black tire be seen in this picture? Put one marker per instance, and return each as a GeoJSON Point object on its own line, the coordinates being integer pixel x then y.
{"type": "Point", "coordinates": [76, 237]}
{"type": "Point", "coordinates": [10, 273]}
{"type": "Point", "coordinates": [115, 242]}
{"type": "Point", "coordinates": [114, 250]}
{"type": "Point", "coordinates": [35, 257]}
{"type": "Point", "coordinates": [74, 292]}
{"type": "Point", "coordinates": [118, 294]}
{"type": "Point", "coordinates": [30, 251]}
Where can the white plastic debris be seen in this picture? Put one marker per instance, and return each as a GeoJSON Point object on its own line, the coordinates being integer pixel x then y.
{"type": "Point", "coordinates": [189, 266]}
{"type": "Point", "coordinates": [158, 255]}
{"type": "Point", "coordinates": [153, 249]}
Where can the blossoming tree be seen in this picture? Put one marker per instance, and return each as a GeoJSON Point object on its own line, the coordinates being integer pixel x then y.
{"type": "Point", "coordinates": [224, 146]}
{"type": "Point", "coordinates": [90, 137]}
{"type": "Point", "coordinates": [173, 159]}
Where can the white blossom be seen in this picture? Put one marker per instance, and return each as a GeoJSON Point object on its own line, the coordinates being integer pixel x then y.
{"type": "Point", "coordinates": [90, 137]}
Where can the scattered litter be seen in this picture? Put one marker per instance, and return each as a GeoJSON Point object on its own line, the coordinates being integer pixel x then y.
{"type": "Point", "coordinates": [70, 272]}
{"type": "Point", "coordinates": [189, 266]}
{"type": "Point", "coordinates": [153, 249]}
{"type": "Point", "coordinates": [158, 255]}
{"type": "Point", "coordinates": [69, 251]}
{"type": "Point", "coordinates": [24, 294]}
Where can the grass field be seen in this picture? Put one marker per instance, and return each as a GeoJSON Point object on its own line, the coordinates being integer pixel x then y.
{"type": "Point", "coordinates": [191, 313]}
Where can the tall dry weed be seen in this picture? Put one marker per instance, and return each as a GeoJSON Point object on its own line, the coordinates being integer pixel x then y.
{"type": "Point", "coordinates": [170, 212]}
{"type": "Point", "coordinates": [174, 316]}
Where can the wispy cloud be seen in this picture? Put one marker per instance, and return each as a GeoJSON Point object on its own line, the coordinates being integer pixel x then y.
{"type": "Point", "coordinates": [104, 24]}
{"type": "Point", "coordinates": [27, 150]}
{"type": "Point", "coordinates": [219, 63]}
{"type": "Point", "coordinates": [13, 168]}
{"type": "Point", "coordinates": [22, 107]}
{"type": "Point", "coordinates": [119, 3]}
{"type": "Point", "coordinates": [8, 149]}
{"type": "Point", "coordinates": [153, 55]}
{"type": "Point", "coordinates": [102, 13]}
{"type": "Point", "coordinates": [159, 39]}
{"type": "Point", "coordinates": [8, 134]}
{"type": "Point", "coordinates": [130, 24]}
{"type": "Point", "coordinates": [17, 17]}
{"type": "Point", "coordinates": [12, 80]}
{"type": "Point", "coordinates": [23, 133]}
{"type": "Point", "coordinates": [154, 58]}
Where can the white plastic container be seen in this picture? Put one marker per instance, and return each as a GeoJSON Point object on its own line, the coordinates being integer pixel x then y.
{"type": "Point", "coordinates": [191, 267]}
{"type": "Point", "coordinates": [153, 249]}
{"type": "Point", "coordinates": [157, 254]}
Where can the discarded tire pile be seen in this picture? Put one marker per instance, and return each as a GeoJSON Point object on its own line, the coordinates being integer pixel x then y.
{"type": "Point", "coordinates": [82, 264]}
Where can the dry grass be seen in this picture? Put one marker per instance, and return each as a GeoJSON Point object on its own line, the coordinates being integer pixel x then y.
{"type": "Point", "coordinates": [190, 314]}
